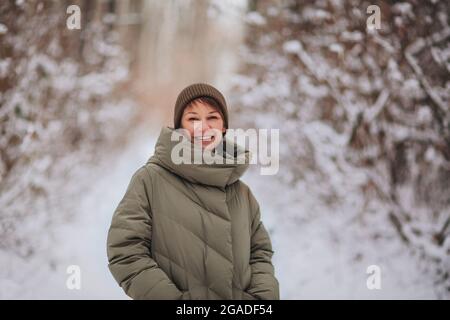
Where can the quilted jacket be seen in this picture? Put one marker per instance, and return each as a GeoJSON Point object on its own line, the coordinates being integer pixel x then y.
{"type": "Point", "coordinates": [190, 231]}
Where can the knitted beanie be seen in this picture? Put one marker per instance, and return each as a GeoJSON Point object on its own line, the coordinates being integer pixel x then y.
{"type": "Point", "coordinates": [194, 91]}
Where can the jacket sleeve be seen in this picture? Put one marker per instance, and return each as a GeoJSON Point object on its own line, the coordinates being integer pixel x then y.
{"type": "Point", "coordinates": [129, 243]}
{"type": "Point", "coordinates": [263, 284]}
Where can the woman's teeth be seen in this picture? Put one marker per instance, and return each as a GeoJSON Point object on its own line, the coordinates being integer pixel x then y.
{"type": "Point", "coordinates": [205, 138]}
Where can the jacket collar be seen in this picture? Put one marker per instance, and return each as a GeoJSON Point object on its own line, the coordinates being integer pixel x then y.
{"type": "Point", "coordinates": [231, 168]}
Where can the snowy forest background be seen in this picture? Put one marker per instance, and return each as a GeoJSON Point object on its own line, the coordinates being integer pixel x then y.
{"type": "Point", "coordinates": [364, 123]}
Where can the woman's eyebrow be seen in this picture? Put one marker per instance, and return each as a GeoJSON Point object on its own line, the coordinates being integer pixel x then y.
{"type": "Point", "coordinates": [213, 111]}
{"type": "Point", "coordinates": [193, 112]}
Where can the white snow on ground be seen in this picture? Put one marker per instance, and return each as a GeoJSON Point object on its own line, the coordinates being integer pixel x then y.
{"type": "Point", "coordinates": [327, 257]}
{"type": "Point", "coordinates": [83, 242]}
{"type": "Point", "coordinates": [88, 237]}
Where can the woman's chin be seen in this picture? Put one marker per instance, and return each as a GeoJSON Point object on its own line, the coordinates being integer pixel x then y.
{"type": "Point", "coordinates": [207, 144]}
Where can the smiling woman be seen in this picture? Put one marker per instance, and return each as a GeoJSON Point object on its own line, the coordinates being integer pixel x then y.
{"type": "Point", "coordinates": [191, 231]}
{"type": "Point", "coordinates": [201, 111]}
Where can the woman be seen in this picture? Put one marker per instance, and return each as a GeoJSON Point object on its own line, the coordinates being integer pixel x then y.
{"type": "Point", "coordinates": [189, 230]}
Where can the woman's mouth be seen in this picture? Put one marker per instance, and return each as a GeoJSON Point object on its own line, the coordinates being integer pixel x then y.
{"type": "Point", "coordinates": [205, 141]}
{"type": "Point", "coordinates": [204, 138]}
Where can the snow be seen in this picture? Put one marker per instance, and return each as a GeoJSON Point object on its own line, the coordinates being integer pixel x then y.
{"type": "Point", "coordinates": [86, 236]}
{"type": "Point", "coordinates": [361, 157]}
{"type": "Point", "coordinates": [323, 255]}
{"type": "Point", "coordinates": [352, 36]}
{"type": "Point", "coordinates": [337, 48]}
{"type": "Point", "coordinates": [81, 241]}
{"type": "Point", "coordinates": [317, 246]}
{"type": "Point", "coordinates": [315, 15]}
{"type": "Point", "coordinates": [404, 9]}
{"type": "Point", "coordinates": [254, 18]}
{"type": "Point", "coordinates": [3, 29]}
{"type": "Point", "coordinates": [4, 67]}
{"type": "Point", "coordinates": [58, 118]}
{"type": "Point", "coordinates": [292, 46]}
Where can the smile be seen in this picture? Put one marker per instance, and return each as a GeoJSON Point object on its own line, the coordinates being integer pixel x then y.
{"type": "Point", "coordinates": [204, 138]}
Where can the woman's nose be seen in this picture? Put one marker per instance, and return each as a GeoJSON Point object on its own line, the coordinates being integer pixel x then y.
{"type": "Point", "coordinates": [205, 126]}
{"type": "Point", "coordinates": [202, 125]}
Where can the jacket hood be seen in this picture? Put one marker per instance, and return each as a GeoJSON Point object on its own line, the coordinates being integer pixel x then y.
{"type": "Point", "coordinates": [227, 168]}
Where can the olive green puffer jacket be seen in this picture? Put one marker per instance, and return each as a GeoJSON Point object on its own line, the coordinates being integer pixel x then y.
{"type": "Point", "coordinates": [190, 231]}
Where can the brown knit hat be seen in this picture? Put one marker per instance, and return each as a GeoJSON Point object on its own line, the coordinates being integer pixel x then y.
{"type": "Point", "coordinates": [194, 91]}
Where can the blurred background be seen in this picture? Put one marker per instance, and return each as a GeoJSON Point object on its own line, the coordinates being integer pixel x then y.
{"type": "Point", "coordinates": [364, 121]}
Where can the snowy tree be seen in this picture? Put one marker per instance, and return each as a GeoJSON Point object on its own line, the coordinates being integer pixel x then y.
{"type": "Point", "coordinates": [363, 113]}
{"type": "Point", "coordinates": [59, 111]}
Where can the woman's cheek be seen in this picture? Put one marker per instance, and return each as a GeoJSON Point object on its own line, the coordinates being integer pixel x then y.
{"type": "Point", "coordinates": [216, 124]}
{"type": "Point", "coordinates": [191, 133]}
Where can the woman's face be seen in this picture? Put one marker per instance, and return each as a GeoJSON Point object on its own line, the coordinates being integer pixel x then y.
{"type": "Point", "coordinates": [208, 117]}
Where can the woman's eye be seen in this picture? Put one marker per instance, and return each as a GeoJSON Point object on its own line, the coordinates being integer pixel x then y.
{"type": "Point", "coordinates": [193, 119]}
{"type": "Point", "coordinates": [214, 118]}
